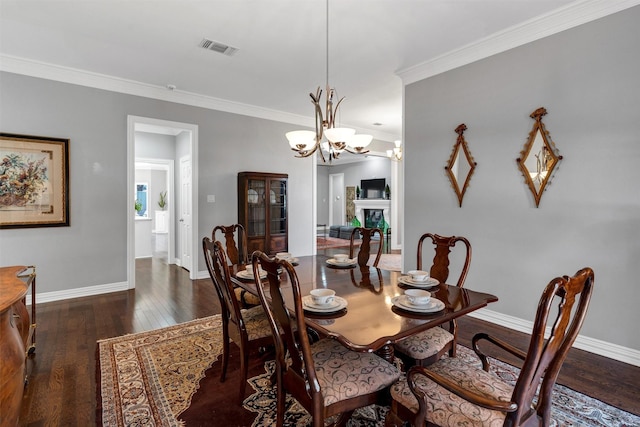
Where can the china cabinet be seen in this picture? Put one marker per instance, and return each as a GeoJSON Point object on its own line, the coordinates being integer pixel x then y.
{"type": "Point", "coordinates": [262, 210]}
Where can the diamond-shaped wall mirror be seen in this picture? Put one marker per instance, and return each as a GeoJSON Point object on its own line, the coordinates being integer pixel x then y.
{"type": "Point", "coordinates": [461, 165]}
{"type": "Point", "coordinates": [539, 157]}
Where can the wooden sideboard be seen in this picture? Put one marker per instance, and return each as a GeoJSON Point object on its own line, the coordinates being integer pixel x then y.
{"type": "Point", "coordinates": [17, 337]}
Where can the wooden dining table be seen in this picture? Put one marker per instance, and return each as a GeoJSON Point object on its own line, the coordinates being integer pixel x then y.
{"type": "Point", "coordinates": [371, 322]}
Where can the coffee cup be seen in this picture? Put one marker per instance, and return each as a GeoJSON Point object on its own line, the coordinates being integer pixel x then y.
{"type": "Point", "coordinates": [341, 258]}
{"type": "Point", "coordinates": [418, 296]}
{"type": "Point", "coordinates": [419, 275]}
{"type": "Point", "coordinates": [249, 270]}
{"type": "Point", "coordinates": [322, 296]}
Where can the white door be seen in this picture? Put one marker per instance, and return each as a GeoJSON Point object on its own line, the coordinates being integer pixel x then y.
{"type": "Point", "coordinates": [337, 204]}
{"type": "Point", "coordinates": [184, 223]}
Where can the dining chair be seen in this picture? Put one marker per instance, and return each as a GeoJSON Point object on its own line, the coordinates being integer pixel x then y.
{"type": "Point", "coordinates": [248, 328]}
{"type": "Point", "coordinates": [428, 346]}
{"type": "Point", "coordinates": [364, 253]}
{"type": "Point", "coordinates": [457, 392]}
{"type": "Point", "coordinates": [325, 377]}
{"type": "Point", "coordinates": [235, 240]}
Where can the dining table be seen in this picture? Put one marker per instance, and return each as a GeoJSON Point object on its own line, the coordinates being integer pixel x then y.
{"type": "Point", "coordinates": [371, 312]}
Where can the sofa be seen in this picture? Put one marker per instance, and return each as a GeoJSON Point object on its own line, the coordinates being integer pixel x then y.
{"type": "Point", "coordinates": [341, 231]}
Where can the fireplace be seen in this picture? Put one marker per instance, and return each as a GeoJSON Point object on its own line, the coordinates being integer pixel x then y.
{"type": "Point", "coordinates": [373, 209]}
{"type": "Point", "coordinates": [374, 218]}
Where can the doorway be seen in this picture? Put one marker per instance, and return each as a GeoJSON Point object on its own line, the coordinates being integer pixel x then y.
{"type": "Point", "coordinates": [156, 239]}
{"type": "Point", "coordinates": [186, 145]}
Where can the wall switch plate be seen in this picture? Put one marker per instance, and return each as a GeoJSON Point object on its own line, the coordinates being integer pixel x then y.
{"type": "Point", "coordinates": [211, 198]}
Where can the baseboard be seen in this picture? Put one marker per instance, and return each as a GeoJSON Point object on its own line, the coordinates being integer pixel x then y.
{"type": "Point", "coordinates": [88, 291]}
{"type": "Point", "coordinates": [592, 345]}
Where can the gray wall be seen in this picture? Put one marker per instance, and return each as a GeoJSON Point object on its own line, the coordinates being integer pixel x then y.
{"type": "Point", "coordinates": [588, 79]}
{"type": "Point", "coordinates": [155, 146]}
{"type": "Point", "coordinates": [322, 194]}
{"type": "Point", "coordinates": [92, 251]}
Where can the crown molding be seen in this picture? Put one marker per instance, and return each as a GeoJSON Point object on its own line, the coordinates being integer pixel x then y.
{"type": "Point", "coordinates": [43, 70]}
{"type": "Point", "coordinates": [570, 16]}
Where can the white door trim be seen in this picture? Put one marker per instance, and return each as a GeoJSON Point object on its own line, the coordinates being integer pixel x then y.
{"type": "Point", "coordinates": [193, 129]}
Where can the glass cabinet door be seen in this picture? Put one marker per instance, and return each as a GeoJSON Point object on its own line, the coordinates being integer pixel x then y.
{"type": "Point", "coordinates": [256, 207]}
{"type": "Point", "coordinates": [278, 206]}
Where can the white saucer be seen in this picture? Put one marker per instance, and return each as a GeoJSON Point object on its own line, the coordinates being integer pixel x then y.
{"type": "Point", "coordinates": [347, 263]}
{"type": "Point", "coordinates": [247, 276]}
{"type": "Point", "coordinates": [429, 283]}
{"type": "Point", "coordinates": [338, 304]}
{"type": "Point", "coordinates": [292, 261]}
{"type": "Point", "coordinates": [433, 306]}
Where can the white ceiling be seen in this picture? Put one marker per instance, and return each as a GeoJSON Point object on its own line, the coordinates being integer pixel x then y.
{"type": "Point", "coordinates": [281, 56]}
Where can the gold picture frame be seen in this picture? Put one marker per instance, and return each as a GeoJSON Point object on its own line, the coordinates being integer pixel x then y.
{"type": "Point", "coordinates": [539, 157]}
{"type": "Point", "coordinates": [34, 181]}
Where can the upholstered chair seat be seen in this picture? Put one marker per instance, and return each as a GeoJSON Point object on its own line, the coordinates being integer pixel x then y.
{"type": "Point", "coordinates": [256, 322]}
{"type": "Point", "coordinates": [344, 374]}
{"type": "Point", "coordinates": [446, 408]}
{"type": "Point", "coordinates": [425, 344]}
{"type": "Point", "coordinates": [245, 298]}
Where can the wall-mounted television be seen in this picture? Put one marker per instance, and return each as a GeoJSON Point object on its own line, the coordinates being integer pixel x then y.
{"type": "Point", "coordinates": [372, 188]}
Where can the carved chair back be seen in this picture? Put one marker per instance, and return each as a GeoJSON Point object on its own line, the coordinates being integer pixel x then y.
{"type": "Point", "coordinates": [296, 374]}
{"type": "Point", "coordinates": [368, 241]}
{"type": "Point", "coordinates": [235, 239]}
{"type": "Point", "coordinates": [440, 265]}
{"type": "Point", "coordinates": [218, 267]}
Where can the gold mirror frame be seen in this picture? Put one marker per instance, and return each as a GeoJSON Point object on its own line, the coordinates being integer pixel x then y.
{"type": "Point", "coordinates": [461, 164]}
{"type": "Point", "coordinates": [539, 157]}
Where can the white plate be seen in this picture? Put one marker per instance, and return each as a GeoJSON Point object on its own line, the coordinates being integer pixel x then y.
{"type": "Point", "coordinates": [252, 196]}
{"type": "Point", "coordinates": [247, 276]}
{"type": "Point", "coordinates": [429, 283]}
{"type": "Point", "coordinates": [433, 306]}
{"type": "Point", "coordinates": [338, 304]}
{"type": "Point", "coordinates": [347, 263]}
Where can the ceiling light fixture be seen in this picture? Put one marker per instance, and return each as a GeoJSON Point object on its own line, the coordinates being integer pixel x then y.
{"type": "Point", "coordinates": [396, 153]}
{"type": "Point", "coordinates": [306, 142]}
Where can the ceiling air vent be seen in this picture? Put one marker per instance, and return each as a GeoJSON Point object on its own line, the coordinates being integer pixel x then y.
{"type": "Point", "coordinates": [218, 47]}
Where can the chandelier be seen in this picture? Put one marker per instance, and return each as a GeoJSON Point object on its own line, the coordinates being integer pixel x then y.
{"type": "Point", "coordinates": [396, 153]}
{"type": "Point", "coordinates": [338, 139]}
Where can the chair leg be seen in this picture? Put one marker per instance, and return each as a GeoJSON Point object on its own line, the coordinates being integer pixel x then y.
{"type": "Point", "coordinates": [225, 354]}
{"type": "Point", "coordinates": [280, 401]}
{"type": "Point", "coordinates": [343, 418]}
{"type": "Point", "coordinates": [392, 420]}
{"type": "Point", "coordinates": [244, 366]}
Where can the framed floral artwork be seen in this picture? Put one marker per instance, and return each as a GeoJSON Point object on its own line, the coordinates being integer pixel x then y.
{"type": "Point", "coordinates": [34, 181]}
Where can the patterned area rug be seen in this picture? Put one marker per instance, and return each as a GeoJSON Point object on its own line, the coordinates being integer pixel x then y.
{"type": "Point", "coordinates": [148, 379]}
{"type": "Point", "coordinates": [570, 408]}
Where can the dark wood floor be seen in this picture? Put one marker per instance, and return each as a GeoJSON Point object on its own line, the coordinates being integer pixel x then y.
{"type": "Point", "coordinates": [62, 385]}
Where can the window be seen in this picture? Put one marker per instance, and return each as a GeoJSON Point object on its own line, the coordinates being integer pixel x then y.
{"type": "Point", "coordinates": [142, 199]}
